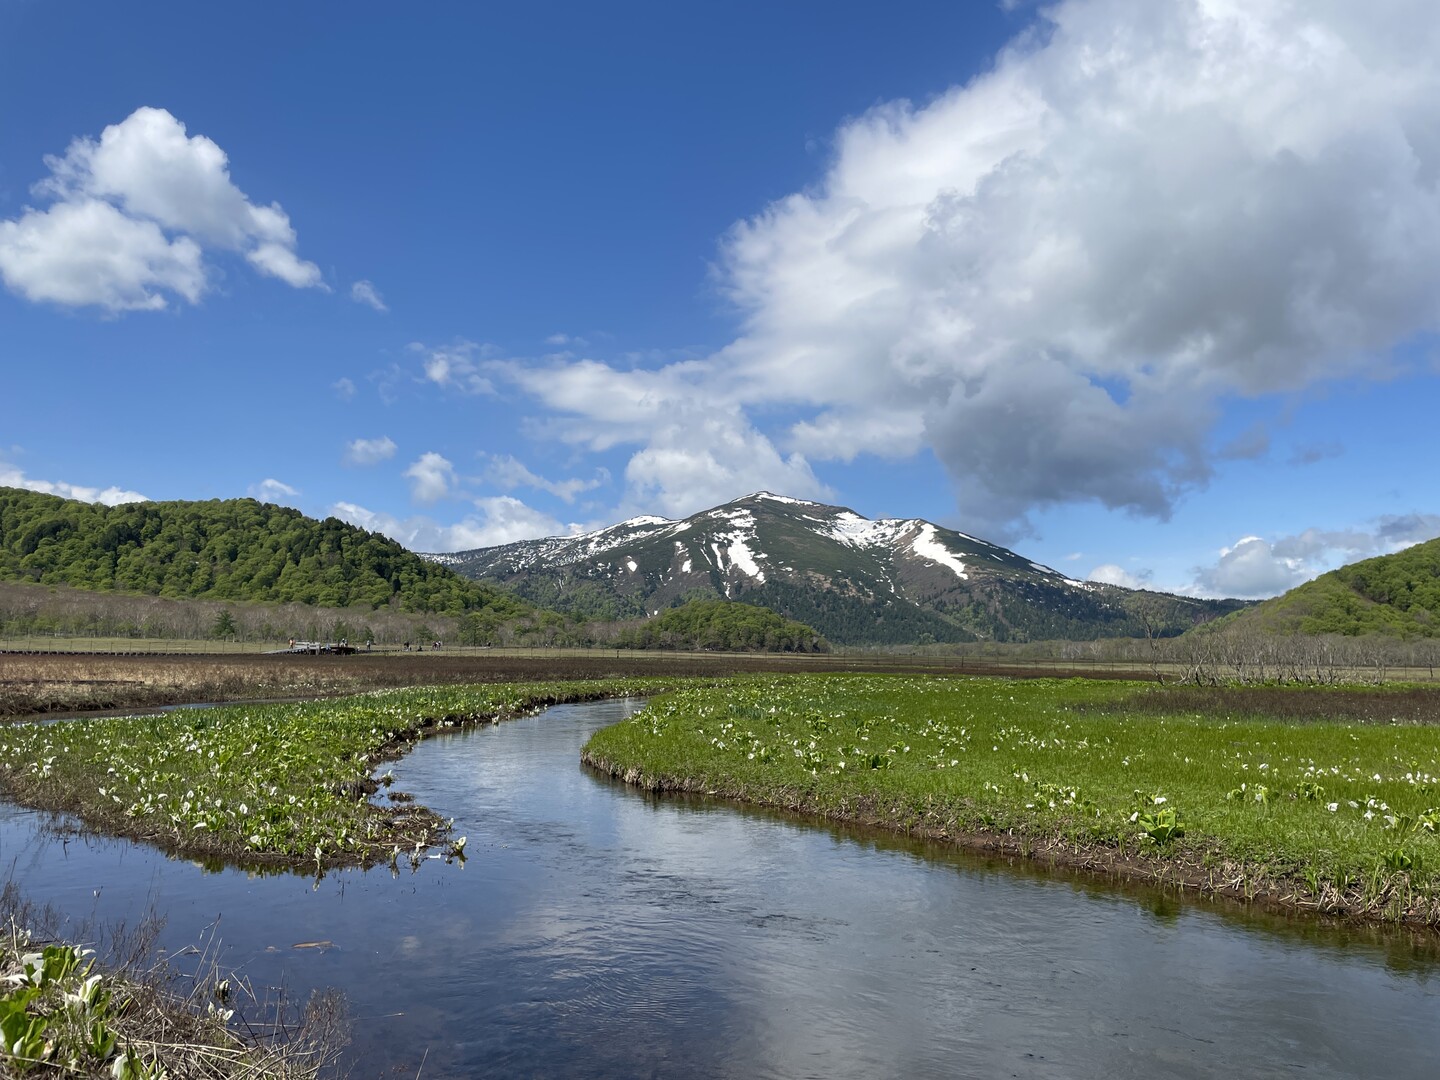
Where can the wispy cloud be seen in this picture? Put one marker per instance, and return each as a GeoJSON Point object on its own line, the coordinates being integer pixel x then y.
{"type": "Point", "coordinates": [498, 520]}
{"type": "Point", "coordinates": [507, 473]}
{"type": "Point", "coordinates": [364, 292]}
{"type": "Point", "coordinates": [271, 490]}
{"type": "Point", "coordinates": [456, 367]}
{"type": "Point", "coordinates": [1113, 574]}
{"type": "Point", "coordinates": [369, 451]}
{"type": "Point", "coordinates": [1310, 453]}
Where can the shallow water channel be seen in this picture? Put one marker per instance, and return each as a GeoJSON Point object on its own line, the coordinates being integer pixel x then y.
{"type": "Point", "coordinates": [597, 931]}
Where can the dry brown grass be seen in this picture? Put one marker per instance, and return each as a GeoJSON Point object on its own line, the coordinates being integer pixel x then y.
{"type": "Point", "coordinates": [1299, 705]}
{"type": "Point", "coordinates": [32, 684]}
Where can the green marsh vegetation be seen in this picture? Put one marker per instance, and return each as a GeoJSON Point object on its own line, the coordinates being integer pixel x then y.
{"type": "Point", "coordinates": [1313, 807]}
{"type": "Point", "coordinates": [286, 784]}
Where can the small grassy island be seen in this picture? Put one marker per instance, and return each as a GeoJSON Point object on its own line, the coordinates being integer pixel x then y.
{"type": "Point", "coordinates": [285, 784]}
{"type": "Point", "coordinates": [1324, 800]}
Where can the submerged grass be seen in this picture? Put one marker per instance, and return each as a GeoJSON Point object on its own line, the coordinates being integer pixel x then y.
{"type": "Point", "coordinates": [60, 1015]}
{"type": "Point", "coordinates": [1328, 814]}
{"type": "Point", "coordinates": [115, 1010]}
{"type": "Point", "coordinates": [286, 784]}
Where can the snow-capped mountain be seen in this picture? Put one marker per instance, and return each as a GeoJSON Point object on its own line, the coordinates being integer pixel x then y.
{"type": "Point", "coordinates": [856, 580]}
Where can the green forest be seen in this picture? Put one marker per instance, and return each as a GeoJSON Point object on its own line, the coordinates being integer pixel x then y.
{"type": "Point", "coordinates": [1396, 596]}
{"type": "Point", "coordinates": [724, 625]}
{"type": "Point", "coordinates": [232, 549]}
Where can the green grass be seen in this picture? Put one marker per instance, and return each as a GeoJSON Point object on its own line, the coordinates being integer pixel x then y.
{"type": "Point", "coordinates": [1320, 814]}
{"type": "Point", "coordinates": [283, 784]}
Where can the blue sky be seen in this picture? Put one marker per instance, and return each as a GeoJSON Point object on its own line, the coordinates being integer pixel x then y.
{"type": "Point", "coordinates": [1147, 290]}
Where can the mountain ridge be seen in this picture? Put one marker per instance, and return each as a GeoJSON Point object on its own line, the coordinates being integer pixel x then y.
{"type": "Point", "coordinates": [855, 579]}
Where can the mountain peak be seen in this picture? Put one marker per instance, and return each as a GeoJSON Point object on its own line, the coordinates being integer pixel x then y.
{"type": "Point", "coordinates": [858, 580]}
{"type": "Point", "coordinates": [770, 496]}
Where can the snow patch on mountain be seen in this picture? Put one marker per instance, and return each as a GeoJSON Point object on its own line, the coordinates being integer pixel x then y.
{"type": "Point", "coordinates": [860, 532]}
{"type": "Point", "coordinates": [743, 559]}
{"type": "Point", "coordinates": [927, 547]}
{"type": "Point", "coordinates": [736, 548]}
{"type": "Point", "coordinates": [770, 495]}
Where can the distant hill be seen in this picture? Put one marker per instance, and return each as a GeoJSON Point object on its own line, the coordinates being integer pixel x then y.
{"type": "Point", "coordinates": [1396, 595]}
{"type": "Point", "coordinates": [856, 581]}
{"type": "Point", "coordinates": [233, 549]}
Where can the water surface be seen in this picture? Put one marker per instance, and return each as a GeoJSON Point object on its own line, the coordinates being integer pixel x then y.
{"type": "Point", "coordinates": [598, 931]}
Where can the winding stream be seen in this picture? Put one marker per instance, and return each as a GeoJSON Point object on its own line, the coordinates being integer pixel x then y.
{"type": "Point", "coordinates": [597, 931]}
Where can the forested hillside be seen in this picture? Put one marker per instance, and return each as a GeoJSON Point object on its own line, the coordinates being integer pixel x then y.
{"type": "Point", "coordinates": [235, 549]}
{"type": "Point", "coordinates": [723, 625]}
{"type": "Point", "coordinates": [1397, 595]}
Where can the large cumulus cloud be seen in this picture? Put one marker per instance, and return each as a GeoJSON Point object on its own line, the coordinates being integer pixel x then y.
{"type": "Point", "coordinates": [1054, 275]}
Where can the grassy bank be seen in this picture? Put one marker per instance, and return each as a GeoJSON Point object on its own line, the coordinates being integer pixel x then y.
{"type": "Point", "coordinates": [1307, 808]}
{"type": "Point", "coordinates": [263, 784]}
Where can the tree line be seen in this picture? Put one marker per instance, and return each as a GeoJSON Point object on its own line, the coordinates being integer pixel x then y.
{"type": "Point", "coordinates": [723, 625]}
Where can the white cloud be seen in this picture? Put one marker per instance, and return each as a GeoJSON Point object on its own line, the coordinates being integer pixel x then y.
{"type": "Point", "coordinates": [10, 476]}
{"type": "Point", "coordinates": [700, 459]}
{"type": "Point", "coordinates": [271, 490]}
{"type": "Point", "coordinates": [364, 292]}
{"type": "Point", "coordinates": [1054, 275]}
{"type": "Point", "coordinates": [1252, 568]}
{"type": "Point", "coordinates": [700, 447]}
{"type": "Point", "coordinates": [88, 252]}
{"type": "Point", "coordinates": [456, 367]}
{"type": "Point", "coordinates": [507, 473]}
{"type": "Point", "coordinates": [344, 388]}
{"type": "Point", "coordinates": [1111, 574]}
{"type": "Point", "coordinates": [369, 451]}
{"type": "Point", "coordinates": [131, 214]}
{"type": "Point", "coordinates": [1255, 567]}
{"type": "Point", "coordinates": [431, 478]}
{"type": "Point", "coordinates": [501, 520]}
